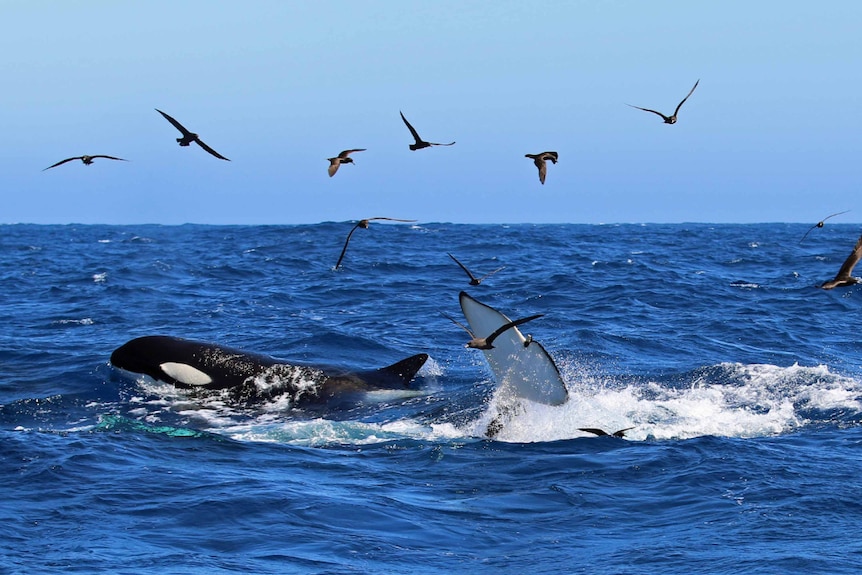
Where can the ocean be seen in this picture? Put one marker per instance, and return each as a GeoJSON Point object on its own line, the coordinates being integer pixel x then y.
{"type": "Point", "coordinates": [740, 380]}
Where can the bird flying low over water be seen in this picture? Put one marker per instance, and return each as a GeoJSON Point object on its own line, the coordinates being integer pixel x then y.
{"type": "Point", "coordinates": [86, 159]}
{"type": "Point", "coordinates": [341, 158]}
{"type": "Point", "coordinates": [602, 433]}
{"type": "Point", "coordinates": [189, 137]}
{"type": "Point", "coordinates": [821, 223]}
{"type": "Point", "coordinates": [488, 342]}
{"type": "Point", "coordinates": [362, 224]}
{"type": "Point", "coordinates": [672, 118]}
{"type": "Point", "coordinates": [540, 161]}
{"type": "Point", "coordinates": [420, 143]}
{"type": "Point", "coordinates": [474, 281]}
{"type": "Point", "coordinates": [843, 277]}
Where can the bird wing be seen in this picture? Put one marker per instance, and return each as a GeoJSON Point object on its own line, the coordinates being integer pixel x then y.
{"type": "Point", "coordinates": [489, 274]}
{"type": "Point", "coordinates": [675, 112]}
{"type": "Point", "coordinates": [543, 168]}
{"type": "Point", "coordinates": [109, 157]}
{"type": "Point", "coordinates": [210, 150]}
{"type": "Point", "coordinates": [851, 261]}
{"type": "Point", "coordinates": [61, 162]}
{"type": "Point", "coordinates": [459, 324]}
{"type": "Point", "coordinates": [553, 156]}
{"type": "Point", "coordinates": [463, 267]}
{"type": "Point", "coordinates": [506, 326]}
{"type": "Point", "coordinates": [820, 223]}
{"type": "Point", "coordinates": [175, 124]}
{"type": "Point", "coordinates": [390, 219]}
{"type": "Point", "coordinates": [333, 166]}
{"type": "Point", "coordinates": [809, 231]}
{"type": "Point", "coordinates": [412, 129]}
{"type": "Point", "coordinates": [346, 153]}
{"type": "Point", "coordinates": [436, 144]}
{"type": "Point", "coordinates": [653, 111]}
{"type": "Point", "coordinates": [344, 249]}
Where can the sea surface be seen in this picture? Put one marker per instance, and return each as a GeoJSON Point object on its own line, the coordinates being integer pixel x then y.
{"type": "Point", "coordinates": [740, 380]}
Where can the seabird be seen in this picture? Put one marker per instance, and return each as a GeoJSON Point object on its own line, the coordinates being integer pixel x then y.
{"type": "Point", "coordinates": [420, 143]}
{"type": "Point", "coordinates": [820, 223]}
{"type": "Point", "coordinates": [488, 342]}
{"type": "Point", "coordinates": [540, 159]}
{"type": "Point", "coordinates": [474, 281]}
{"type": "Point", "coordinates": [362, 224]}
{"type": "Point", "coordinates": [86, 159]}
{"type": "Point", "coordinates": [189, 137]}
{"type": "Point", "coordinates": [843, 277]}
{"type": "Point", "coordinates": [341, 158]}
{"type": "Point", "coordinates": [672, 118]}
{"type": "Point", "coordinates": [603, 433]}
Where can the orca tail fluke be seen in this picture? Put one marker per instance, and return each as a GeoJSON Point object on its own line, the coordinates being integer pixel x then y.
{"type": "Point", "coordinates": [400, 374]}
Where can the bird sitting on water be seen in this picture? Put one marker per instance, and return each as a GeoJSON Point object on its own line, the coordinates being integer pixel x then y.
{"type": "Point", "coordinates": [672, 118]}
{"type": "Point", "coordinates": [540, 161]}
{"type": "Point", "coordinates": [341, 158]}
{"type": "Point", "coordinates": [86, 159]}
{"type": "Point", "coordinates": [488, 342]}
{"type": "Point", "coordinates": [843, 277]}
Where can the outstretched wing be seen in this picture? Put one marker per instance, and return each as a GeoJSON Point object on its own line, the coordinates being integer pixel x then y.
{"type": "Point", "coordinates": [109, 157]}
{"type": "Point", "coordinates": [210, 150]}
{"type": "Point", "coordinates": [411, 128]}
{"type": "Point", "coordinates": [665, 118]}
{"type": "Point", "coordinates": [344, 249]}
{"type": "Point", "coordinates": [175, 124]}
{"type": "Point", "coordinates": [463, 267]}
{"type": "Point", "coordinates": [507, 326]}
{"type": "Point", "coordinates": [61, 162]}
{"type": "Point", "coordinates": [851, 261]}
{"type": "Point", "coordinates": [675, 112]}
{"type": "Point", "coordinates": [346, 153]}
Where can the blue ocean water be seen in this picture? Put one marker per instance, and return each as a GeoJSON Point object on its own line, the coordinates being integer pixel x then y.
{"type": "Point", "coordinates": [741, 381]}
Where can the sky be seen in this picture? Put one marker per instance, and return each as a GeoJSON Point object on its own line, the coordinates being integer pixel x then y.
{"type": "Point", "coordinates": [771, 134]}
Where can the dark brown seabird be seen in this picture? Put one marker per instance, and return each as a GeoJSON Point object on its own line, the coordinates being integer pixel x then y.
{"type": "Point", "coordinates": [474, 281]}
{"type": "Point", "coordinates": [420, 143]}
{"type": "Point", "coordinates": [488, 342]}
{"type": "Point", "coordinates": [821, 223]}
{"type": "Point", "coordinates": [362, 224]}
{"type": "Point", "coordinates": [86, 159]}
{"type": "Point", "coordinates": [602, 433]}
{"type": "Point", "coordinates": [341, 158]}
{"type": "Point", "coordinates": [540, 159]}
{"type": "Point", "coordinates": [843, 277]}
{"type": "Point", "coordinates": [189, 137]}
{"type": "Point", "coordinates": [672, 118]}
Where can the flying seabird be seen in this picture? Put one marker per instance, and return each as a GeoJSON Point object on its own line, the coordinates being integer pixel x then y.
{"type": "Point", "coordinates": [821, 222]}
{"type": "Point", "coordinates": [603, 433]}
{"type": "Point", "coordinates": [474, 281]}
{"type": "Point", "coordinates": [420, 143]}
{"type": "Point", "coordinates": [540, 159]}
{"type": "Point", "coordinates": [341, 158]}
{"type": "Point", "coordinates": [362, 224]}
{"type": "Point", "coordinates": [672, 118]}
{"type": "Point", "coordinates": [189, 137]}
{"type": "Point", "coordinates": [843, 277]}
{"type": "Point", "coordinates": [86, 159]}
{"type": "Point", "coordinates": [487, 342]}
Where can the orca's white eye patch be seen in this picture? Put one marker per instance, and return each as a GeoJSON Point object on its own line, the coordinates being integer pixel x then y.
{"type": "Point", "coordinates": [185, 373]}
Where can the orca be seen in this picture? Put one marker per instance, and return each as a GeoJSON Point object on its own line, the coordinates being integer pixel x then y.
{"type": "Point", "coordinates": [248, 376]}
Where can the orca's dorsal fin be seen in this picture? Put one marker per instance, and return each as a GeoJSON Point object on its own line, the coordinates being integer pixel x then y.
{"type": "Point", "coordinates": [401, 373]}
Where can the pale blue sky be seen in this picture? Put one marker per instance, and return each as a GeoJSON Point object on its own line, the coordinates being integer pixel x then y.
{"type": "Point", "coordinates": [772, 133]}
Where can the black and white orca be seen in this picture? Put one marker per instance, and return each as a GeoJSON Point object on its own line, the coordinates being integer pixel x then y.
{"type": "Point", "coordinates": [249, 376]}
